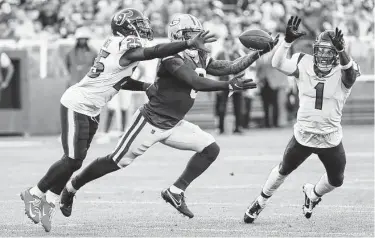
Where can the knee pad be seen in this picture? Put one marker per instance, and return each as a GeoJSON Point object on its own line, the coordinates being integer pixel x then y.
{"type": "Point", "coordinates": [336, 180]}
{"type": "Point", "coordinates": [211, 152]}
{"type": "Point", "coordinates": [74, 164]}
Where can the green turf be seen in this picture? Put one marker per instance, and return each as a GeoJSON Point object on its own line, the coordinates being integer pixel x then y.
{"type": "Point", "coordinates": [128, 203]}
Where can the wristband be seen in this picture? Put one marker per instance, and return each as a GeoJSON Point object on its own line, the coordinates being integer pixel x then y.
{"type": "Point", "coordinates": [350, 64]}
{"type": "Point", "coordinates": [341, 50]}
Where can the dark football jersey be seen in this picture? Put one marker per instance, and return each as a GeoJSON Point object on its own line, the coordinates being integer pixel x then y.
{"type": "Point", "coordinates": [171, 98]}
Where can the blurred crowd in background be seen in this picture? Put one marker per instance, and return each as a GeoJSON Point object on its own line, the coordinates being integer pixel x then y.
{"type": "Point", "coordinates": [31, 19]}
{"type": "Point", "coordinates": [51, 20]}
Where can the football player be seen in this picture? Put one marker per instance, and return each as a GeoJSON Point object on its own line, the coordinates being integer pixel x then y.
{"type": "Point", "coordinates": [179, 78]}
{"type": "Point", "coordinates": [324, 80]}
{"type": "Point", "coordinates": [81, 103]}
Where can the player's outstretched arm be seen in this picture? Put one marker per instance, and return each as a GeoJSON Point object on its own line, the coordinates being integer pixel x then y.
{"type": "Point", "coordinates": [279, 59]}
{"type": "Point", "coordinates": [163, 50]}
{"type": "Point", "coordinates": [182, 72]}
{"type": "Point", "coordinates": [227, 67]}
{"type": "Point", "coordinates": [134, 85]}
{"type": "Point", "coordinates": [350, 69]}
{"type": "Point", "coordinates": [281, 62]}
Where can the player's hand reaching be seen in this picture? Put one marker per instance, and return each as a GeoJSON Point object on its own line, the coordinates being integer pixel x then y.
{"type": "Point", "coordinates": [338, 40]}
{"type": "Point", "coordinates": [270, 45]}
{"type": "Point", "coordinates": [238, 84]}
{"type": "Point", "coordinates": [200, 39]}
{"type": "Point", "coordinates": [291, 32]}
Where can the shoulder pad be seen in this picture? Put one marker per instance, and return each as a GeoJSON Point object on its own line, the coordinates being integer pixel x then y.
{"type": "Point", "coordinates": [129, 42]}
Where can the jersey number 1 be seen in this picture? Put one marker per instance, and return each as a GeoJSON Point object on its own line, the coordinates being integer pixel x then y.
{"type": "Point", "coordinates": [319, 88]}
{"type": "Point", "coordinates": [98, 66]}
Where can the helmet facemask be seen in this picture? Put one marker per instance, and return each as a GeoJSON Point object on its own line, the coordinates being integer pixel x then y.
{"type": "Point", "coordinates": [187, 34]}
{"type": "Point", "coordinates": [325, 57]}
{"type": "Point", "coordinates": [143, 28]}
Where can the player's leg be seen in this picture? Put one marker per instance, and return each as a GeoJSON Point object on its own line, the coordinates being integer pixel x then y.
{"type": "Point", "coordinates": [275, 107]}
{"type": "Point", "coordinates": [108, 121]}
{"type": "Point", "coordinates": [222, 109]}
{"type": "Point", "coordinates": [334, 161]}
{"type": "Point", "coordinates": [75, 134]}
{"type": "Point", "coordinates": [295, 154]}
{"type": "Point", "coordinates": [237, 109]}
{"type": "Point", "coordinates": [123, 119]}
{"type": "Point", "coordinates": [187, 136]}
{"type": "Point", "coordinates": [135, 141]}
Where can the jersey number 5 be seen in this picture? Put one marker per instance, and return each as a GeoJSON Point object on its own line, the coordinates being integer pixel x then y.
{"type": "Point", "coordinates": [319, 88]}
{"type": "Point", "coordinates": [98, 66]}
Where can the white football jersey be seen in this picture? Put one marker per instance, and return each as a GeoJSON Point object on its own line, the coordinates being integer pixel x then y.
{"type": "Point", "coordinates": [320, 108]}
{"type": "Point", "coordinates": [104, 79]}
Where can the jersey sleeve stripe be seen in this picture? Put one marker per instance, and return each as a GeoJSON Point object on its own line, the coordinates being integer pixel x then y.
{"type": "Point", "coordinates": [300, 57]}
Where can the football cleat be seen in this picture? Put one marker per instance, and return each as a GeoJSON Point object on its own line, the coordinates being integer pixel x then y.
{"type": "Point", "coordinates": [47, 212]}
{"type": "Point", "coordinates": [66, 202]}
{"type": "Point", "coordinates": [253, 211]}
{"type": "Point", "coordinates": [177, 201]}
{"type": "Point", "coordinates": [309, 204]}
{"type": "Point", "coordinates": [32, 205]}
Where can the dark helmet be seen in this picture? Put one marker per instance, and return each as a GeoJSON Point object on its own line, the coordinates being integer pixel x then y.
{"type": "Point", "coordinates": [325, 54]}
{"type": "Point", "coordinates": [130, 21]}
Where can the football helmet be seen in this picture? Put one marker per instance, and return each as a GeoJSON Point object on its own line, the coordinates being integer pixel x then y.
{"type": "Point", "coordinates": [184, 27]}
{"type": "Point", "coordinates": [130, 21]}
{"type": "Point", "coordinates": [325, 54]}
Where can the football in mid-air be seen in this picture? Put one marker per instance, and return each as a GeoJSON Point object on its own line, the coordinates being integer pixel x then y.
{"type": "Point", "coordinates": [255, 39]}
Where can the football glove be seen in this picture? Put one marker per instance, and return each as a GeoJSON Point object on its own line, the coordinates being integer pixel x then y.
{"type": "Point", "coordinates": [200, 39]}
{"type": "Point", "coordinates": [270, 45]}
{"type": "Point", "coordinates": [239, 84]}
{"type": "Point", "coordinates": [291, 32]}
{"type": "Point", "coordinates": [338, 40]}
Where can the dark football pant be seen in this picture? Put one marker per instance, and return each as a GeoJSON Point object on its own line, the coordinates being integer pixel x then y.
{"type": "Point", "coordinates": [78, 130]}
{"type": "Point", "coordinates": [333, 159]}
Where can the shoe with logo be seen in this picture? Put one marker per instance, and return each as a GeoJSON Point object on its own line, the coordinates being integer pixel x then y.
{"type": "Point", "coordinates": [32, 205]}
{"type": "Point", "coordinates": [47, 211]}
{"type": "Point", "coordinates": [253, 211]}
{"type": "Point", "coordinates": [177, 201]}
{"type": "Point", "coordinates": [309, 204]}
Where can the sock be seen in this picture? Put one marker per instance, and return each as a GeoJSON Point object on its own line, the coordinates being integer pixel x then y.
{"type": "Point", "coordinates": [275, 179]}
{"type": "Point", "coordinates": [36, 192]}
{"type": "Point", "coordinates": [262, 200]}
{"type": "Point", "coordinates": [197, 165]}
{"type": "Point", "coordinates": [70, 187]}
{"type": "Point", "coordinates": [94, 170]}
{"type": "Point", "coordinates": [322, 187]}
{"type": "Point", "coordinates": [59, 174]}
{"type": "Point", "coordinates": [52, 198]}
{"type": "Point", "coordinates": [175, 189]}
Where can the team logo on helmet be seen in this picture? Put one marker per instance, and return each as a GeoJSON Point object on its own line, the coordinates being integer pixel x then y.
{"type": "Point", "coordinates": [175, 22]}
{"type": "Point", "coordinates": [121, 18]}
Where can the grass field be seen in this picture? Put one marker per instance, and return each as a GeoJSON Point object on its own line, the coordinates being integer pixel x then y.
{"type": "Point", "coordinates": [128, 202]}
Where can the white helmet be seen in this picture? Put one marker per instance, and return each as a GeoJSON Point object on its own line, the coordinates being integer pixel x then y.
{"type": "Point", "coordinates": [183, 26]}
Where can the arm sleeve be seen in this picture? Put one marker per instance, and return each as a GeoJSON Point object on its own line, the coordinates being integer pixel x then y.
{"type": "Point", "coordinates": [157, 51]}
{"type": "Point", "coordinates": [134, 85]}
{"type": "Point", "coordinates": [281, 62]}
{"type": "Point", "coordinates": [177, 68]}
